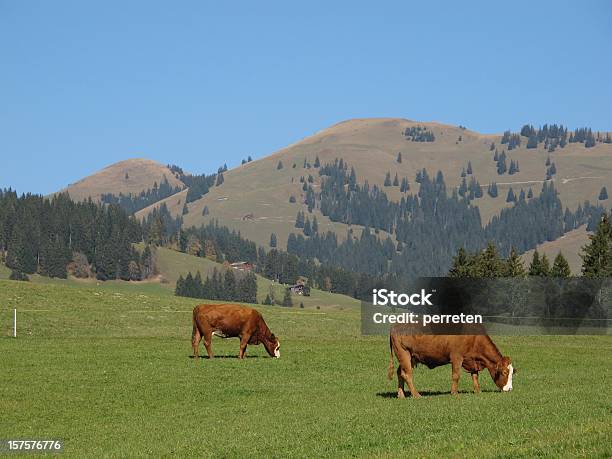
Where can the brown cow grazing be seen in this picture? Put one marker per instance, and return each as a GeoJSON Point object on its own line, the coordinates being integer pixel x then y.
{"type": "Point", "coordinates": [230, 321]}
{"type": "Point", "coordinates": [472, 352]}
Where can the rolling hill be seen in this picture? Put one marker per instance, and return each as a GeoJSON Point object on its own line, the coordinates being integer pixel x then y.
{"type": "Point", "coordinates": [254, 197]}
{"type": "Point", "coordinates": [129, 176]}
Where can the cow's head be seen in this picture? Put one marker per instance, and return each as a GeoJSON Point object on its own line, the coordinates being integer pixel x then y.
{"type": "Point", "coordinates": [502, 374]}
{"type": "Point", "coordinates": [272, 345]}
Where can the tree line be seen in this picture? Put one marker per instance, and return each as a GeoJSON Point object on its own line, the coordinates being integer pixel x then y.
{"type": "Point", "coordinates": [132, 203]}
{"type": "Point", "coordinates": [222, 285]}
{"type": "Point", "coordinates": [45, 236]}
{"type": "Point", "coordinates": [198, 184]}
{"type": "Point", "coordinates": [554, 136]}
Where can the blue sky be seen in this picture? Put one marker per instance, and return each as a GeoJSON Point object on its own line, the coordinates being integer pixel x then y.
{"type": "Point", "coordinates": [85, 84]}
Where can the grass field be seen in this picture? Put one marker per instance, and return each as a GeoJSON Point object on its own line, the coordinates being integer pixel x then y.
{"type": "Point", "coordinates": [107, 369]}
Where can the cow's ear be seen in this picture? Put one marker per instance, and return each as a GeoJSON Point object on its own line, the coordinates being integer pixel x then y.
{"type": "Point", "coordinates": [272, 337]}
{"type": "Point", "coordinates": [514, 370]}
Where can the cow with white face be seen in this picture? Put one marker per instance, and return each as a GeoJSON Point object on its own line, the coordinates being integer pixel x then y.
{"type": "Point", "coordinates": [502, 374]}
{"type": "Point", "coordinates": [473, 353]}
{"type": "Point", "coordinates": [232, 321]}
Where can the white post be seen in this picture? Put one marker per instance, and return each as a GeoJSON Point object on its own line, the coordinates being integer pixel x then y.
{"type": "Point", "coordinates": [15, 323]}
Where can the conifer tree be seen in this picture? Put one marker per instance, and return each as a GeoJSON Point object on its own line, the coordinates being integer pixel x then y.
{"type": "Point", "coordinates": [188, 289]}
{"type": "Point", "coordinates": [539, 265]}
{"type": "Point", "coordinates": [513, 265]}
{"type": "Point", "coordinates": [307, 228]}
{"type": "Point", "coordinates": [532, 142]}
{"type": "Point", "coordinates": [248, 289]}
{"type": "Point", "coordinates": [488, 263]}
{"type": "Point", "coordinates": [388, 179]}
{"type": "Point", "coordinates": [229, 285]}
{"type": "Point", "coordinates": [597, 254]}
{"type": "Point", "coordinates": [510, 197]}
{"type": "Point", "coordinates": [560, 267]}
{"type": "Point", "coordinates": [603, 194]}
{"type": "Point", "coordinates": [287, 302]}
{"type": "Point", "coordinates": [462, 265]}
{"type": "Point", "coordinates": [299, 220]}
{"type": "Point", "coordinates": [492, 190]}
{"type": "Point", "coordinates": [501, 164]}
{"type": "Point", "coordinates": [399, 158]}
{"type": "Point", "coordinates": [463, 188]}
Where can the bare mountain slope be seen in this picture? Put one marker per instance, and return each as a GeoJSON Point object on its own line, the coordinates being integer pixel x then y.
{"type": "Point", "coordinates": [570, 245]}
{"type": "Point", "coordinates": [129, 176]}
{"type": "Point", "coordinates": [254, 197]}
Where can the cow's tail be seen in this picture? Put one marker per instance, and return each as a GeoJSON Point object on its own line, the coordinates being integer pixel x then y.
{"type": "Point", "coordinates": [391, 362]}
{"type": "Point", "coordinates": [195, 332]}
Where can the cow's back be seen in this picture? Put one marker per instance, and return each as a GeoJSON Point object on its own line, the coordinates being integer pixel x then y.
{"type": "Point", "coordinates": [230, 319]}
{"type": "Point", "coordinates": [436, 350]}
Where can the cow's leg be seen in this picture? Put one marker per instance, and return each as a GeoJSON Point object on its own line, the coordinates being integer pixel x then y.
{"type": "Point", "coordinates": [476, 383]}
{"type": "Point", "coordinates": [243, 345]}
{"type": "Point", "coordinates": [208, 343]}
{"type": "Point", "coordinates": [407, 375]}
{"type": "Point", "coordinates": [456, 363]}
{"type": "Point", "coordinates": [405, 362]}
{"type": "Point", "coordinates": [400, 383]}
{"type": "Point", "coordinates": [195, 341]}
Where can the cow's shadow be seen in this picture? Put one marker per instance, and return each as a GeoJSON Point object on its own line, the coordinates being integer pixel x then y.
{"type": "Point", "coordinates": [230, 356]}
{"type": "Point", "coordinates": [429, 393]}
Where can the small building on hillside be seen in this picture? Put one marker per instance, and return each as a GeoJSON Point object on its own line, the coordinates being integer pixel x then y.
{"type": "Point", "coordinates": [300, 289]}
{"type": "Point", "coordinates": [242, 266]}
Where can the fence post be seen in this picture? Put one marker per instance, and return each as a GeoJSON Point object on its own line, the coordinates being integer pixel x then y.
{"type": "Point", "coordinates": [15, 323]}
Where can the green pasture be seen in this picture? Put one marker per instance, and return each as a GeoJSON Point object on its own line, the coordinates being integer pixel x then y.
{"type": "Point", "coordinates": [107, 369]}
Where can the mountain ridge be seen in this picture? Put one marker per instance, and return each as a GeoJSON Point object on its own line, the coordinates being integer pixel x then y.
{"type": "Point", "coordinates": [254, 197]}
